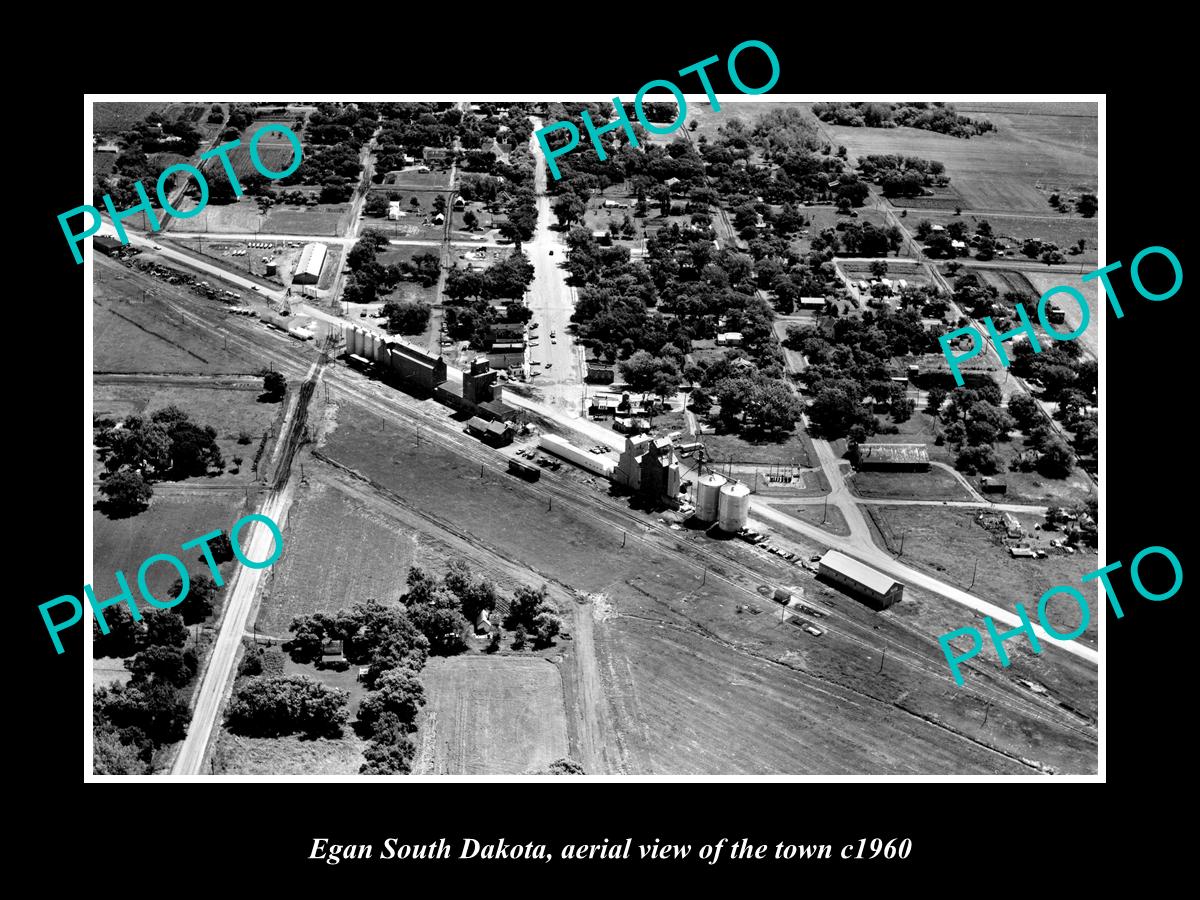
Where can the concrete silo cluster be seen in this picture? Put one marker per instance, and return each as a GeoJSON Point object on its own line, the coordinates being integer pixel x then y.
{"type": "Point", "coordinates": [722, 501]}
{"type": "Point", "coordinates": [363, 343]}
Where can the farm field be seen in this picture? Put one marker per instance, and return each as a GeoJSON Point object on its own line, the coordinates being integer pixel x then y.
{"type": "Point", "coordinates": [338, 552]}
{"type": "Point", "coordinates": [490, 715]}
{"type": "Point", "coordinates": [947, 543]}
{"type": "Point", "coordinates": [230, 406]}
{"type": "Point", "coordinates": [123, 319]}
{"type": "Point", "coordinates": [113, 117]}
{"type": "Point", "coordinates": [174, 518]}
{"type": "Point", "coordinates": [936, 484]}
{"type": "Point", "coordinates": [1004, 171]}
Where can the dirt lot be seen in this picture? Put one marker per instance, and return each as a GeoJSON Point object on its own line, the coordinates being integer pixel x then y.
{"type": "Point", "coordinates": [936, 484]}
{"type": "Point", "coordinates": [948, 542]}
{"type": "Point", "coordinates": [490, 715]}
{"type": "Point", "coordinates": [243, 217]}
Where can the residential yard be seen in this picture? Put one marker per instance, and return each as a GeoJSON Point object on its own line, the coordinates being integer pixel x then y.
{"type": "Point", "coordinates": [822, 217]}
{"type": "Point", "coordinates": [490, 715]}
{"type": "Point", "coordinates": [948, 542]}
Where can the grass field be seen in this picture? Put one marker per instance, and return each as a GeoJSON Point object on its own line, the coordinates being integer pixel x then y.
{"type": "Point", "coordinates": [822, 217]}
{"type": "Point", "coordinates": [126, 315]}
{"type": "Point", "coordinates": [1003, 171]}
{"type": "Point", "coordinates": [372, 558]}
{"type": "Point", "coordinates": [936, 484]}
{"type": "Point", "coordinates": [116, 117]}
{"type": "Point", "coordinates": [1090, 339]}
{"type": "Point", "coordinates": [229, 406]}
{"type": "Point", "coordinates": [795, 448]}
{"type": "Point", "coordinates": [288, 755]}
{"type": "Point", "coordinates": [243, 217]}
{"type": "Point", "coordinates": [490, 715]}
{"type": "Point", "coordinates": [830, 519]}
{"type": "Point", "coordinates": [947, 543]}
{"type": "Point", "coordinates": [173, 519]}
{"type": "Point", "coordinates": [413, 181]}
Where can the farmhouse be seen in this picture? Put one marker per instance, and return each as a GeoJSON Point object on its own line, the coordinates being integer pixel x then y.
{"type": "Point", "coordinates": [859, 579]}
{"type": "Point", "coordinates": [729, 339]}
{"type": "Point", "coordinates": [308, 266]}
{"type": "Point", "coordinates": [910, 457]}
{"type": "Point", "coordinates": [812, 303]}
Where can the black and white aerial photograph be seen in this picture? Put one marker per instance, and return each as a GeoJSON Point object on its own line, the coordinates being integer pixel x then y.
{"type": "Point", "coordinates": [504, 443]}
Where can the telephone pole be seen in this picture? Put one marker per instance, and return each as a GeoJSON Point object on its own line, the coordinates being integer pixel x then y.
{"type": "Point", "coordinates": [972, 584]}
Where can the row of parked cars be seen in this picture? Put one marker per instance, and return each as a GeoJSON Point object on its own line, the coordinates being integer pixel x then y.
{"type": "Point", "coordinates": [757, 538]}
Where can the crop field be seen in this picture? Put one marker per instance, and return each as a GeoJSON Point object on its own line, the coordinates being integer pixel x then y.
{"type": "Point", "coordinates": [274, 156]}
{"type": "Point", "coordinates": [338, 551]}
{"type": "Point", "coordinates": [174, 518]}
{"type": "Point", "coordinates": [999, 171]}
{"type": "Point", "coordinates": [936, 484]}
{"type": "Point", "coordinates": [133, 332]}
{"type": "Point", "coordinates": [947, 543]}
{"type": "Point", "coordinates": [229, 406]}
{"type": "Point", "coordinates": [490, 715]}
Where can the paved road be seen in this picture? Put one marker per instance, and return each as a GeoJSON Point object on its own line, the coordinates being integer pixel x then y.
{"type": "Point", "coordinates": [559, 360]}
{"type": "Point", "coordinates": [240, 597]}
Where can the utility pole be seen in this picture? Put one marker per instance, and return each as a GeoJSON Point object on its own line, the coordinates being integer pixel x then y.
{"type": "Point", "coordinates": [882, 658]}
{"type": "Point", "coordinates": [972, 584]}
{"type": "Point", "coordinates": [825, 511]}
{"type": "Point", "coordinates": [987, 710]}
{"type": "Point", "coordinates": [624, 534]}
{"type": "Point", "coordinates": [902, 543]}
{"type": "Point", "coordinates": [704, 578]}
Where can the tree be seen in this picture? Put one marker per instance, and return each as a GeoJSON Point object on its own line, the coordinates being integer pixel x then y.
{"type": "Point", "coordinates": [309, 634]}
{"type": "Point", "coordinates": [393, 758]}
{"type": "Point", "coordinates": [1056, 459]}
{"type": "Point", "coordinates": [198, 604]}
{"type": "Point", "coordinates": [983, 459]}
{"type": "Point", "coordinates": [934, 400]}
{"type": "Point", "coordinates": [441, 623]}
{"type": "Point", "coordinates": [531, 611]}
{"type": "Point", "coordinates": [274, 384]}
{"type": "Point", "coordinates": [165, 628]}
{"type": "Point", "coordinates": [399, 692]}
{"type": "Point", "coordinates": [519, 638]}
{"type": "Point", "coordinates": [1087, 437]}
{"type": "Point", "coordinates": [406, 317]}
{"type": "Point", "coordinates": [112, 757]}
{"type": "Point", "coordinates": [1087, 205]}
{"type": "Point", "coordinates": [155, 709]}
{"type": "Point", "coordinates": [125, 634]}
{"type": "Point", "coordinates": [693, 125]}
{"type": "Point", "coordinates": [470, 220]}
{"type": "Point", "coordinates": [126, 492]}
{"type": "Point", "coordinates": [701, 401]}
{"type": "Point", "coordinates": [269, 706]}
{"type": "Point", "coordinates": [167, 664]}
{"type": "Point", "coordinates": [879, 268]}
{"type": "Point", "coordinates": [569, 208]}
{"type": "Point", "coordinates": [376, 205]}
{"type": "Point", "coordinates": [439, 204]}
{"type": "Point", "coordinates": [1025, 411]}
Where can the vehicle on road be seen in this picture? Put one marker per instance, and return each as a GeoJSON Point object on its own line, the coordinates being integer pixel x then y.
{"type": "Point", "coordinates": [155, 247]}
{"type": "Point", "coordinates": [254, 287]}
{"type": "Point", "coordinates": [811, 566]}
{"type": "Point", "coordinates": [813, 630]}
{"type": "Point", "coordinates": [553, 333]}
{"type": "Point", "coordinates": [549, 364]}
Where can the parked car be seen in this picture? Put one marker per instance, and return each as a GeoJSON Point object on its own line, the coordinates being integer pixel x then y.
{"type": "Point", "coordinates": [813, 630]}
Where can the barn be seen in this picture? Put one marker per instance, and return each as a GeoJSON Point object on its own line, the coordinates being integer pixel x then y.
{"type": "Point", "coordinates": [309, 265]}
{"type": "Point", "coordinates": [861, 580]}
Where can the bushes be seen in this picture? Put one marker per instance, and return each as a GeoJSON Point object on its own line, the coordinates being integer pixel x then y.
{"type": "Point", "coordinates": [268, 706]}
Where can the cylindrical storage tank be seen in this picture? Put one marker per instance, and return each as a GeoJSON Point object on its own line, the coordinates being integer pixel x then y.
{"type": "Point", "coordinates": [359, 341]}
{"type": "Point", "coordinates": [734, 507]}
{"type": "Point", "coordinates": [708, 492]}
{"type": "Point", "coordinates": [352, 341]}
{"type": "Point", "coordinates": [372, 346]}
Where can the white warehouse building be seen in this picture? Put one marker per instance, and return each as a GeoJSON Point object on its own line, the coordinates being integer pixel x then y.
{"type": "Point", "coordinates": [309, 265]}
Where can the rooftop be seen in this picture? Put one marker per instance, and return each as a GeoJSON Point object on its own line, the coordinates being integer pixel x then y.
{"type": "Point", "coordinates": [894, 453]}
{"type": "Point", "coordinates": [860, 572]}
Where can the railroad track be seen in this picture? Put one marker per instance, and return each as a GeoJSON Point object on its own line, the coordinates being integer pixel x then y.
{"type": "Point", "coordinates": [388, 402]}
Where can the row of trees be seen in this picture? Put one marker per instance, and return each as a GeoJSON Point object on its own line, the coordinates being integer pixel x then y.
{"type": "Point", "coordinates": [939, 117]}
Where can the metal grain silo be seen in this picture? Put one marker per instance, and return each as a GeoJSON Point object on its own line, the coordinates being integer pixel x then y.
{"type": "Point", "coordinates": [353, 341]}
{"type": "Point", "coordinates": [734, 507]}
{"type": "Point", "coordinates": [372, 347]}
{"type": "Point", "coordinates": [708, 491]}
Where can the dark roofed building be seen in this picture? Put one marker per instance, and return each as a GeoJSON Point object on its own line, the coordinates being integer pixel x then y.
{"type": "Point", "coordinates": [415, 365]}
{"type": "Point", "coordinates": [495, 409]}
{"type": "Point", "coordinates": [107, 245]}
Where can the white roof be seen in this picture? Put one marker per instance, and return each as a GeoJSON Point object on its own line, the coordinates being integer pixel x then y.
{"type": "Point", "coordinates": [860, 572]}
{"type": "Point", "coordinates": [312, 258]}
